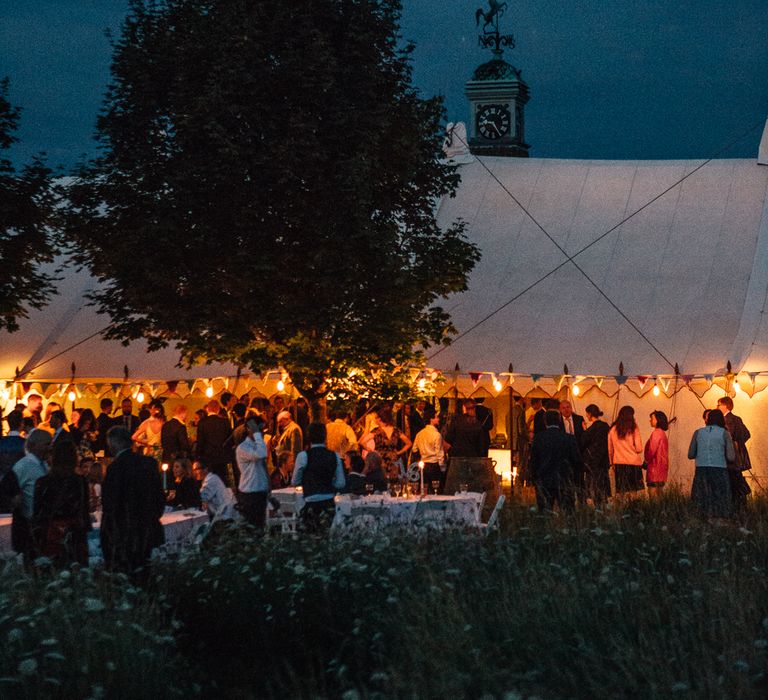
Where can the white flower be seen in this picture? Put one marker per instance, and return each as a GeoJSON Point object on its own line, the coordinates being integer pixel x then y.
{"type": "Point", "coordinates": [299, 569]}
{"type": "Point", "coordinates": [15, 635]}
{"type": "Point", "coordinates": [93, 605]}
{"type": "Point", "coordinates": [28, 667]}
{"type": "Point", "coordinates": [670, 579]}
{"type": "Point", "coordinates": [684, 562]}
{"type": "Point", "coordinates": [215, 561]}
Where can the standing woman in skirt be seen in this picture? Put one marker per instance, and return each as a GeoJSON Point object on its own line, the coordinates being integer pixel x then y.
{"type": "Point", "coordinates": [712, 448]}
{"type": "Point", "coordinates": [625, 451]}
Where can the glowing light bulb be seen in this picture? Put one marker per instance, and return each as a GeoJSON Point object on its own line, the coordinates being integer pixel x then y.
{"type": "Point", "coordinates": [280, 385]}
{"type": "Point", "coordinates": [497, 385]}
{"type": "Point", "coordinates": [72, 396]}
{"type": "Point", "coordinates": [140, 397]}
{"type": "Point", "coordinates": [576, 391]}
{"type": "Point", "coordinates": [209, 392]}
{"type": "Point", "coordinates": [421, 465]}
{"type": "Point", "coordinates": [165, 467]}
{"type": "Point", "coordinates": [422, 383]}
{"type": "Point", "coordinates": [656, 390]}
{"type": "Point", "coordinates": [736, 386]}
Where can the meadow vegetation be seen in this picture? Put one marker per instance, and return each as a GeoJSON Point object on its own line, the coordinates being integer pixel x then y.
{"type": "Point", "coordinates": [643, 601]}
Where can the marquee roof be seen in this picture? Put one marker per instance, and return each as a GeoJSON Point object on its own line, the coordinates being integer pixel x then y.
{"type": "Point", "coordinates": [690, 270]}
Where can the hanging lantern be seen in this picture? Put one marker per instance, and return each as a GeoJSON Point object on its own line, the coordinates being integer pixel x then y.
{"type": "Point", "coordinates": [71, 396]}
{"type": "Point", "coordinates": [280, 384]}
{"type": "Point", "coordinates": [575, 390]}
{"type": "Point", "coordinates": [656, 390]}
{"type": "Point", "coordinates": [209, 391]}
{"type": "Point", "coordinates": [497, 385]}
{"type": "Point", "coordinates": [140, 396]}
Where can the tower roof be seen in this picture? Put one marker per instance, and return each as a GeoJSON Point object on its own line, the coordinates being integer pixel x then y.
{"type": "Point", "coordinates": [496, 69]}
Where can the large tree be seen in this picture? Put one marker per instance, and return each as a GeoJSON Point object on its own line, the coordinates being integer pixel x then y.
{"type": "Point", "coordinates": [26, 208]}
{"type": "Point", "coordinates": [266, 188]}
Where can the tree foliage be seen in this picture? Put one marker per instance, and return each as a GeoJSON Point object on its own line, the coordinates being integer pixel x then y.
{"type": "Point", "coordinates": [266, 187]}
{"type": "Point", "coordinates": [26, 208]}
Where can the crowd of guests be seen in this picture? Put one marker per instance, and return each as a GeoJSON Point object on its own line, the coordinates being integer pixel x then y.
{"type": "Point", "coordinates": [568, 458]}
{"type": "Point", "coordinates": [57, 474]}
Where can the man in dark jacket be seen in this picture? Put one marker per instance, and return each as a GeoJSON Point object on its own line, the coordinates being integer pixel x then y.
{"type": "Point", "coordinates": [554, 461]}
{"type": "Point", "coordinates": [739, 434]}
{"type": "Point", "coordinates": [132, 504]}
{"type": "Point", "coordinates": [212, 433]}
{"type": "Point", "coordinates": [464, 436]}
{"type": "Point", "coordinates": [173, 436]}
{"type": "Point", "coordinates": [104, 422]}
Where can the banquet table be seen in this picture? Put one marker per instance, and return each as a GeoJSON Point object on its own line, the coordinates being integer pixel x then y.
{"type": "Point", "coordinates": [370, 512]}
{"type": "Point", "coordinates": [291, 500]}
{"type": "Point", "coordinates": [179, 527]}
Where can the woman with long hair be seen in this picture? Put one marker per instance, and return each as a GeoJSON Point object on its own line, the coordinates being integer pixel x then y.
{"type": "Point", "coordinates": [657, 454]}
{"type": "Point", "coordinates": [388, 441]}
{"type": "Point", "coordinates": [148, 433]}
{"type": "Point", "coordinates": [594, 452]}
{"type": "Point", "coordinates": [712, 448]}
{"type": "Point", "coordinates": [625, 452]}
{"type": "Point", "coordinates": [61, 518]}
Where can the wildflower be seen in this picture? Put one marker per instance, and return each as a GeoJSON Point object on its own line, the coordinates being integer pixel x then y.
{"type": "Point", "coordinates": [15, 635]}
{"type": "Point", "coordinates": [27, 667]}
{"type": "Point", "coordinates": [634, 586]}
{"type": "Point", "coordinates": [50, 642]}
{"type": "Point", "coordinates": [684, 562]}
{"type": "Point", "coordinates": [110, 665]}
{"type": "Point", "coordinates": [670, 579]}
{"type": "Point", "coordinates": [680, 687]}
{"type": "Point", "coordinates": [93, 605]}
{"type": "Point", "coordinates": [215, 561]}
{"type": "Point", "coordinates": [299, 569]}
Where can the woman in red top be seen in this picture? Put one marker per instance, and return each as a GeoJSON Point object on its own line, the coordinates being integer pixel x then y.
{"type": "Point", "coordinates": [657, 454]}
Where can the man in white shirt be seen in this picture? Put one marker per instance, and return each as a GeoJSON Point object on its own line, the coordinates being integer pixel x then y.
{"type": "Point", "coordinates": [340, 436]}
{"type": "Point", "coordinates": [27, 471]}
{"type": "Point", "coordinates": [429, 444]}
{"type": "Point", "coordinates": [320, 473]}
{"type": "Point", "coordinates": [217, 499]}
{"type": "Point", "coordinates": [253, 490]}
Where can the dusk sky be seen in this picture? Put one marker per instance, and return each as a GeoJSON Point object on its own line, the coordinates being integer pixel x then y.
{"type": "Point", "coordinates": [608, 78]}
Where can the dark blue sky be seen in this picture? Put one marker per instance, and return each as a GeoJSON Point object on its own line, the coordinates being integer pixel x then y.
{"type": "Point", "coordinates": [608, 78]}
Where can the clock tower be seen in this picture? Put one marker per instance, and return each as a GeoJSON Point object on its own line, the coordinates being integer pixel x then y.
{"type": "Point", "coordinates": [497, 94]}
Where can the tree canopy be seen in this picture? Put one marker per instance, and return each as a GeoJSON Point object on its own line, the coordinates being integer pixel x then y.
{"type": "Point", "coordinates": [266, 186]}
{"type": "Point", "coordinates": [26, 208]}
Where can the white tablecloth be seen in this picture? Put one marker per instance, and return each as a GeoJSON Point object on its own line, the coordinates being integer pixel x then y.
{"type": "Point", "coordinates": [177, 525]}
{"type": "Point", "coordinates": [461, 510]}
{"type": "Point", "coordinates": [291, 500]}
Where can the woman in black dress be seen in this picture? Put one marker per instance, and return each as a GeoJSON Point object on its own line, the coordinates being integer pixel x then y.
{"type": "Point", "coordinates": [594, 453]}
{"type": "Point", "coordinates": [60, 520]}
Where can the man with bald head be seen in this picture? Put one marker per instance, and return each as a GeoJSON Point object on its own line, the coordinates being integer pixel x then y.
{"type": "Point", "coordinates": [291, 439]}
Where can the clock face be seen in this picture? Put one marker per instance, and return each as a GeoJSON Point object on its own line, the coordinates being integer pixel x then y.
{"type": "Point", "coordinates": [493, 121]}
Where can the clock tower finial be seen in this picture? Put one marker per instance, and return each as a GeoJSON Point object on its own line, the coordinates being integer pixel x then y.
{"type": "Point", "coordinates": [497, 93]}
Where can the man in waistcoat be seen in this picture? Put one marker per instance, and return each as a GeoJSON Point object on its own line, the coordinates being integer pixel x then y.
{"type": "Point", "coordinates": [320, 473]}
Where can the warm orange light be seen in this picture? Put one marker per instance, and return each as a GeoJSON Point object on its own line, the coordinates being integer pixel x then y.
{"type": "Point", "coordinates": [576, 391]}
{"type": "Point", "coordinates": [209, 392]}
{"type": "Point", "coordinates": [72, 396]}
{"type": "Point", "coordinates": [165, 467]}
{"type": "Point", "coordinates": [656, 390]}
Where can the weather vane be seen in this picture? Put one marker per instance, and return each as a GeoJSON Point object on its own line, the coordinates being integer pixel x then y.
{"type": "Point", "coordinates": [491, 38]}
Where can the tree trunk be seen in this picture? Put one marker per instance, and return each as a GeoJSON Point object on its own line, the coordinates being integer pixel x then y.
{"type": "Point", "coordinates": [318, 409]}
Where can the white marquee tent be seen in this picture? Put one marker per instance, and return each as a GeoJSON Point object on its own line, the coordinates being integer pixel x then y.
{"type": "Point", "coordinates": [689, 270]}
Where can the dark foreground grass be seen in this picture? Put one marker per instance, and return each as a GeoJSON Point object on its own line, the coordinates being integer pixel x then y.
{"type": "Point", "coordinates": [646, 601]}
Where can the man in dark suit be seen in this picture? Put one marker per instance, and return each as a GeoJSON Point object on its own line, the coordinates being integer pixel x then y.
{"type": "Point", "coordinates": [739, 434]}
{"type": "Point", "coordinates": [173, 436]}
{"type": "Point", "coordinates": [126, 419]}
{"type": "Point", "coordinates": [132, 504]}
{"type": "Point", "coordinates": [212, 448]}
{"type": "Point", "coordinates": [484, 416]}
{"type": "Point", "coordinates": [104, 422]}
{"type": "Point", "coordinates": [573, 424]}
{"type": "Point", "coordinates": [540, 411]}
{"type": "Point", "coordinates": [464, 436]}
{"type": "Point", "coordinates": [554, 460]}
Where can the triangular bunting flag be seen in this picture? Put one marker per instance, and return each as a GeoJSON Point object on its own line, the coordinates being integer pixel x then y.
{"type": "Point", "coordinates": [688, 378]}
{"type": "Point", "coordinates": [559, 379]}
{"type": "Point", "coordinates": [599, 381]}
{"type": "Point", "coordinates": [535, 378]}
{"type": "Point", "coordinates": [475, 377]}
{"type": "Point", "coordinates": [642, 380]}
{"type": "Point", "coordinates": [172, 386]}
{"type": "Point", "coordinates": [26, 386]}
{"type": "Point", "coordinates": [665, 383]}
{"type": "Point", "coordinates": [621, 379]}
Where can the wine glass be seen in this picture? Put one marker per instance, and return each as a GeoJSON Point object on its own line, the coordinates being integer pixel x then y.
{"type": "Point", "coordinates": [398, 489]}
{"type": "Point", "coordinates": [436, 487]}
{"type": "Point", "coordinates": [369, 489]}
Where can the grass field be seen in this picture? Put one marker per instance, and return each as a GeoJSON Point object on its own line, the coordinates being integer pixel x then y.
{"type": "Point", "coordinates": [645, 601]}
